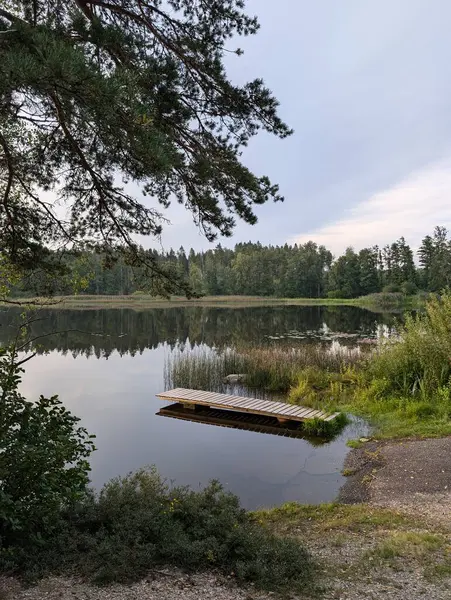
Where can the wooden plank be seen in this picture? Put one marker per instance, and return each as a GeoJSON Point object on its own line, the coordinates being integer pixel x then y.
{"type": "Point", "coordinates": [311, 414]}
{"type": "Point", "coordinates": [278, 410]}
{"type": "Point", "coordinates": [258, 404]}
{"type": "Point", "coordinates": [248, 403]}
{"type": "Point", "coordinates": [200, 395]}
{"type": "Point", "coordinates": [331, 417]}
{"type": "Point", "coordinates": [293, 410]}
{"type": "Point", "coordinates": [300, 411]}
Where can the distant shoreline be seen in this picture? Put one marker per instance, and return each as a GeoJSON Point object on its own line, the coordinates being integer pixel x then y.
{"type": "Point", "coordinates": [142, 302]}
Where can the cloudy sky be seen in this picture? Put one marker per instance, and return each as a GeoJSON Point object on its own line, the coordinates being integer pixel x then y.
{"type": "Point", "coordinates": [366, 85]}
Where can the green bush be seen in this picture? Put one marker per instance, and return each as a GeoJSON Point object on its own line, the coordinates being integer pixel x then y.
{"type": "Point", "coordinates": [328, 429]}
{"type": "Point", "coordinates": [43, 463]}
{"type": "Point", "coordinates": [139, 522]}
{"type": "Point", "coordinates": [391, 288]}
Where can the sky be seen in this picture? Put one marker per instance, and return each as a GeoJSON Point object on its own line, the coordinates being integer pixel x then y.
{"type": "Point", "coordinates": [366, 85]}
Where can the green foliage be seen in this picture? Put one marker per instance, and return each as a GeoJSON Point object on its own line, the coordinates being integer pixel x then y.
{"type": "Point", "coordinates": [139, 522]}
{"type": "Point", "coordinates": [391, 288]}
{"type": "Point", "coordinates": [344, 275]}
{"type": "Point", "coordinates": [334, 294]}
{"type": "Point", "coordinates": [385, 300]}
{"type": "Point", "coordinates": [325, 429]}
{"type": "Point", "coordinates": [420, 362]}
{"type": "Point", "coordinates": [322, 389]}
{"type": "Point", "coordinates": [435, 260]}
{"type": "Point", "coordinates": [43, 464]}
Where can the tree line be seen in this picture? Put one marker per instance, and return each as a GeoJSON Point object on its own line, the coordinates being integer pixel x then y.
{"type": "Point", "coordinates": [299, 270]}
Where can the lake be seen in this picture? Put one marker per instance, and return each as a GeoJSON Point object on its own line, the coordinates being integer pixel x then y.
{"type": "Point", "coordinates": [107, 366]}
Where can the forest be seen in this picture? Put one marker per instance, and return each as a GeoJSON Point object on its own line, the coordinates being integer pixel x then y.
{"type": "Point", "coordinates": [304, 271]}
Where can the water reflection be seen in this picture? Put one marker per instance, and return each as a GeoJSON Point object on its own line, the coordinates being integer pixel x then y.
{"type": "Point", "coordinates": [237, 420]}
{"type": "Point", "coordinates": [100, 332]}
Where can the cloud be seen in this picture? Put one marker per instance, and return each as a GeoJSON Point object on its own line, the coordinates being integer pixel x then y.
{"type": "Point", "coordinates": [410, 208]}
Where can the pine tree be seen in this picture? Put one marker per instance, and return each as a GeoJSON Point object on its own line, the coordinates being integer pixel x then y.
{"type": "Point", "coordinates": [92, 92]}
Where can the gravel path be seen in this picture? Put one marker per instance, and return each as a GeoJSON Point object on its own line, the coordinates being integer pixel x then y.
{"type": "Point", "coordinates": [413, 476]}
{"type": "Point", "coordinates": [161, 587]}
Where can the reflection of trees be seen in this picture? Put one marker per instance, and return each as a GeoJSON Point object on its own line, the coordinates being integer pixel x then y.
{"type": "Point", "coordinates": [99, 332]}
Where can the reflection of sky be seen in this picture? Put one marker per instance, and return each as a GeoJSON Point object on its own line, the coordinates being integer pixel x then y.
{"type": "Point", "coordinates": [115, 399]}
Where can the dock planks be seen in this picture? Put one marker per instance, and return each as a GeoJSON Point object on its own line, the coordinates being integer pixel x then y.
{"type": "Point", "coordinates": [268, 408]}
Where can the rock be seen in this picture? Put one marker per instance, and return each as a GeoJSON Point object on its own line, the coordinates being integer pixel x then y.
{"type": "Point", "coordinates": [363, 440]}
{"type": "Point", "coordinates": [235, 378]}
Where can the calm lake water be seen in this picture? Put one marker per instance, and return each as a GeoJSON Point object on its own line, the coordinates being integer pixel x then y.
{"type": "Point", "coordinates": [108, 365]}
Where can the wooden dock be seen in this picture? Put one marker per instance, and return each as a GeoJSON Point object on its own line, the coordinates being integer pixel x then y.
{"type": "Point", "coordinates": [282, 411]}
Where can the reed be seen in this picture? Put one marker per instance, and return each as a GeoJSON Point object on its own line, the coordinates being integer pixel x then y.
{"type": "Point", "coordinates": [271, 369]}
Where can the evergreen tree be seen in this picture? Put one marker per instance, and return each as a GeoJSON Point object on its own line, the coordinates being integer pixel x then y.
{"type": "Point", "coordinates": [99, 90]}
{"type": "Point", "coordinates": [368, 270]}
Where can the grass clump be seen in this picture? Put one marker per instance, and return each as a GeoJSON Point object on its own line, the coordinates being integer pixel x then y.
{"type": "Point", "coordinates": [139, 522]}
{"type": "Point", "coordinates": [408, 544]}
{"type": "Point", "coordinates": [279, 368]}
{"type": "Point", "coordinates": [352, 518]}
{"type": "Point", "coordinates": [394, 299]}
{"type": "Point", "coordinates": [325, 429]}
{"type": "Point", "coordinates": [420, 363]}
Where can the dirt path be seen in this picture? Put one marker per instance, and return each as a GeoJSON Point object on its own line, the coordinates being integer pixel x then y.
{"type": "Point", "coordinates": [413, 476]}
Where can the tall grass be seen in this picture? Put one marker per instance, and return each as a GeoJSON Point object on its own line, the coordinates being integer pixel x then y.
{"type": "Point", "coordinates": [278, 368]}
{"type": "Point", "coordinates": [274, 368]}
{"type": "Point", "coordinates": [406, 385]}
{"type": "Point", "coordinates": [201, 368]}
{"type": "Point", "coordinates": [403, 385]}
{"type": "Point", "coordinates": [420, 361]}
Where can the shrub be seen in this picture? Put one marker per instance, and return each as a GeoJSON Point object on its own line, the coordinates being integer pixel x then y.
{"type": "Point", "coordinates": [139, 522]}
{"type": "Point", "coordinates": [43, 463]}
{"type": "Point", "coordinates": [320, 428]}
{"type": "Point", "coordinates": [385, 300]}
